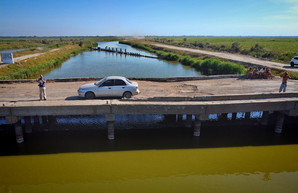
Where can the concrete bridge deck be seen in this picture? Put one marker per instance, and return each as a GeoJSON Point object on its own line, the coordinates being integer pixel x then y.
{"type": "Point", "coordinates": [66, 89]}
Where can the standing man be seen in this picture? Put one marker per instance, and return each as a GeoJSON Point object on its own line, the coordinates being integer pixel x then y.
{"type": "Point", "coordinates": [42, 88]}
{"type": "Point", "coordinates": [283, 85]}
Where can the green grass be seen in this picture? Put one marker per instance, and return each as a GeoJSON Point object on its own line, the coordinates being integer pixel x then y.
{"type": "Point", "coordinates": [9, 43]}
{"type": "Point", "coordinates": [272, 48]}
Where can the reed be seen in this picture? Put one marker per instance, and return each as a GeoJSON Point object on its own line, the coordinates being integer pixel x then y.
{"type": "Point", "coordinates": [34, 66]}
{"type": "Point", "coordinates": [207, 66]}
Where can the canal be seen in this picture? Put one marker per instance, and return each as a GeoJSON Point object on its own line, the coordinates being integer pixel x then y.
{"type": "Point", "coordinates": [101, 64]}
{"type": "Point", "coordinates": [151, 154]}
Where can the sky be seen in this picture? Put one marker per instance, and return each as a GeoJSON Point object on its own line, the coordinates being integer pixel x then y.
{"type": "Point", "coordinates": [148, 17]}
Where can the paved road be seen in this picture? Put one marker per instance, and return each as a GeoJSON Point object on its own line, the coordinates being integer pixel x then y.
{"type": "Point", "coordinates": [61, 91]}
{"type": "Point", "coordinates": [234, 57]}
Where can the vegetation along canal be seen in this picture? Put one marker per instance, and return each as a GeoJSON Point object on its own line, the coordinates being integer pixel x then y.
{"type": "Point", "coordinates": [151, 153]}
{"type": "Point", "coordinates": [100, 64]}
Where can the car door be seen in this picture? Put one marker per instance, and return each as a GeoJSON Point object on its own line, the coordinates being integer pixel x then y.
{"type": "Point", "coordinates": [105, 89]}
{"type": "Point", "coordinates": [119, 87]}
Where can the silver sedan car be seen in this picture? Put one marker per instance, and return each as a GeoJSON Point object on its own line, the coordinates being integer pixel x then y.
{"type": "Point", "coordinates": [111, 86]}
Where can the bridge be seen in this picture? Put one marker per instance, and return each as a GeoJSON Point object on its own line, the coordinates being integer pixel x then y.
{"type": "Point", "coordinates": [200, 107]}
{"type": "Point", "coordinates": [193, 97]}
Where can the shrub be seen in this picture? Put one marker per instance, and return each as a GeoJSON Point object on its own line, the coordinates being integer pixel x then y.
{"type": "Point", "coordinates": [187, 60]}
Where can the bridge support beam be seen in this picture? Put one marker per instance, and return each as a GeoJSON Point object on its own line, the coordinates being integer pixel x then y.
{"type": "Point", "coordinates": [110, 118]}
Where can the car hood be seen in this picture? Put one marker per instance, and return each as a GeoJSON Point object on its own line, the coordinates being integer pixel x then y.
{"type": "Point", "coordinates": [134, 83]}
{"type": "Point", "coordinates": [88, 86]}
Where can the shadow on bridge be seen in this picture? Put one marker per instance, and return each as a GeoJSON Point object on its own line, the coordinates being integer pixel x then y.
{"type": "Point", "coordinates": [92, 137]}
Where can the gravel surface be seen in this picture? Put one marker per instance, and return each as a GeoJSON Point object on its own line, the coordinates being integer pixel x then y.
{"type": "Point", "coordinates": [223, 86]}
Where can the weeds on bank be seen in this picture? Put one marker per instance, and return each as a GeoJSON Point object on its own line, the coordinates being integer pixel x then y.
{"type": "Point", "coordinates": [208, 66]}
{"type": "Point", "coordinates": [34, 66]}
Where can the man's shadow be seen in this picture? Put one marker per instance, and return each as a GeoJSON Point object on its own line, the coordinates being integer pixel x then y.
{"type": "Point", "coordinates": [73, 98]}
{"type": "Point", "coordinates": [98, 98]}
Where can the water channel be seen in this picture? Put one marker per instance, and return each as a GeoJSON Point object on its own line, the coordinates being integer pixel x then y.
{"type": "Point", "coordinates": [150, 154]}
{"type": "Point", "coordinates": [101, 64]}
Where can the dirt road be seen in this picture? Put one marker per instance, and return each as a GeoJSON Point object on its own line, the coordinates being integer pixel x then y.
{"type": "Point", "coordinates": [233, 57]}
{"type": "Point", "coordinates": [18, 59]}
{"type": "Point", "coordinates": [224, 86]}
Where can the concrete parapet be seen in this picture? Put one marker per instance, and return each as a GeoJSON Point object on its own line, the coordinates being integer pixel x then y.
{"type": "Point", "coordinates": [171, 79]}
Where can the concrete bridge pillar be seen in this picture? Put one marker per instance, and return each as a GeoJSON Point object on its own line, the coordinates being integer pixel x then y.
{"type": "Point", "coordinates": [36, 120]}
{"type": "Point", "coordinates": [171, 118]}
{"type": "Point", "coordinates": [265, 118]}
{"type": "Point", "coordinates": [188, 122]}
{"type": "Point", "coordinates": [18, 128]}
{"type": "Point", "coordinates": [279, 122]}
{"type": "Point", "coordinates": [197, 128]}
{"type": "Point", "coordinates": [110, 118]}
{"type": "Point", "coordinates": [234, 116]}
{"type": "Point", "coordinates": [198, 123]}
{"type": "Point", "coordinates": [179, 117]}
{"type": "Point", "coordinates": [28, 125]}
{"type": "Point", "coordinates": [224, 116]}
{"type": "Point", "coordinates": [52, 120]}
{"type": "Point", "coordinates": [19, 132]}
{"type": "Point", "coordinates": [44, 119]}
{"type": "Point", "coordinates": [247, 115]}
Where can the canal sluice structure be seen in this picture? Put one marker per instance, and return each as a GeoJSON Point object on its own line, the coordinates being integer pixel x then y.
{"type": "Point", "coordinates": [121, 51]}
{"type": "Point", "coordinates": [195, 109]}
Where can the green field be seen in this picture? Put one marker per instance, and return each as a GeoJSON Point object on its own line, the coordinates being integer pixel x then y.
{"type": "Point", "coordinates": [280, 49]}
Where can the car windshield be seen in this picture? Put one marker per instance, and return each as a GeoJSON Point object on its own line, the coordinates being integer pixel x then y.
{"type": "Point", "coordinates": [100, 82]}
{"type": "Point", "coordinates": [128, 81]}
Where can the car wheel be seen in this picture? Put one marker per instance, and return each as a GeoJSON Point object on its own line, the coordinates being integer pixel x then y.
{"type": "Point", "coordinates": [292, 64]}
{"type": "Point", "coordinates": [127, 95]}
{"type": "Point", "coordinates": [89, 95]}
